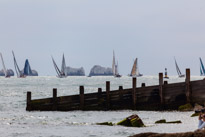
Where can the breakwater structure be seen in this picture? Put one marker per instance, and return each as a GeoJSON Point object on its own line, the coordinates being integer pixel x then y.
{"type": "Point", "coordinates": [158, 97]}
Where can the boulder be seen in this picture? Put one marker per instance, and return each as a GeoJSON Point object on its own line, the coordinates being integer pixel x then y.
{"type": "Point", "coordinates": [132, 121]}
{"type": "Point", "coordinates": [195, 114]}
{"type": "Point", "coordinates": [160, 121]}
{"type": "Point", "coordinates": [165, 122]}
{"type": "Point", "coordinates": [198, 133]}
{"type": "Point", "coordinates": [186, 107]}
{"type": "Point", "coordinates": [106, 123]}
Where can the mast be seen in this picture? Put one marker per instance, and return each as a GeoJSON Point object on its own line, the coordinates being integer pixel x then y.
{"type": "Point", "coordinates": [177, 68]}
{"type": "Point", "coordinates": [56, 68]}
{"type": "Point", "coordinates": [137, 69]}
{"type": "Point", "coordinates": [18, 72]}
{"type": "Point", "coordinates": [5, 71]}
{"type": "Point", "coordinates": [113, 64]}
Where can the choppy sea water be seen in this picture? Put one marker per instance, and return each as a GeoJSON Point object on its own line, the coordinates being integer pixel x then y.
{"type": "Point", "coordinates": [17, 122]}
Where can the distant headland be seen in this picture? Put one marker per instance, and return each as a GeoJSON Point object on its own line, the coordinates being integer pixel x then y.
{"type": "Point", "coordinates": [98, 70]}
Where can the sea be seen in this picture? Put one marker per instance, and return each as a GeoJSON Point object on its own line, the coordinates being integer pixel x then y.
{"type": "Point", "coordinates": [15, 121]}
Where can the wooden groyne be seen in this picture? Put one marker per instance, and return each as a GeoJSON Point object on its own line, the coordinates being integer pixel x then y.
{"type": "Point", "coordinates": [159, 97]}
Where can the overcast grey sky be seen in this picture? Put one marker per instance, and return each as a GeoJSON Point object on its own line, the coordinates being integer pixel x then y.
{"type": "Point", "coordinates": [87, 31]}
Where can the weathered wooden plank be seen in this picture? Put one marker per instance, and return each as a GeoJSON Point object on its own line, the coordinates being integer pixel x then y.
{"type": "Point", "coordinates": [174, 91]}
{"type": "Point", "coordinates": [73, 97]}
{"type": "Point", "coordinates": [41, 101]}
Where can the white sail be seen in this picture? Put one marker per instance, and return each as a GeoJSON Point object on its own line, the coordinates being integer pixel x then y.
{"type": "Point", "coordinates": [116, 69]}
{"type": "Point", "coordinates": [137, 69]}
{"type": "Point", "coordinates": [4, 67]}
{"type": "Point", "coordinates": [113, 64]}
{"type": "Point", "coordinates": [63, 66]}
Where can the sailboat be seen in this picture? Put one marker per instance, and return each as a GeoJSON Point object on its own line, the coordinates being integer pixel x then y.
{"type": "Point", "coordinates": [178, 70]}
{"type": "Point", "coordinates": [19, 73]}
{"type": "Point", "coordinates": [4, 67]}
{"type": "Point", "coordinates": [63, 72]}
{"type": "Point", "coordinates": [27, 71]}
{"type": "Point", "coordinates": [115, 67]}
{"type": "Point", "coordinates": [202, 70]}
{"type": "Point", "coordinates": [135, 70]}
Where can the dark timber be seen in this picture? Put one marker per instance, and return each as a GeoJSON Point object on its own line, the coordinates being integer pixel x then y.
{"type": "Point", "coordinates": [159, 97]}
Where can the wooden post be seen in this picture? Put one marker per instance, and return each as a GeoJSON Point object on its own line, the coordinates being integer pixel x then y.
{"type": "Point", "coordinates": [55, 93]}
{"type": "Point", "coordinates": [161, 93]}
{"type": "Point", "coordinates": [134, 97]}
{"type": "Point", "coordinates": [81, 97]}
{"type": "Point", "coordinates": [55, 101]}
{"type": "Point", "coordinates": [28, 102]}
{"type": "Point", "coordinates": [165, 82]}
{"type": "Point", "coordinates": [108, 94]}
{"type": "Point", "coordinates": [99, 92]}
{"type": "Point", "coordinates": [120, 92]}
{"type": "Point", "coordinates": [188, 89]}
{"type": "Point", "coordinates": [143, 84]}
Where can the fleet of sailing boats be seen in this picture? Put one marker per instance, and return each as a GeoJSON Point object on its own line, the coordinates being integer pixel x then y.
{"type": "Point", "coordinates": [63, 72]}
{"type": "Point", "coordinates": [135, 70]}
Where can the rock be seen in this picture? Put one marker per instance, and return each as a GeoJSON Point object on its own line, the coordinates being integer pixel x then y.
{"type": "Point", "coordinates": [100, 71]}
{"type": "Point", "coordinates": [75, 71]}
{"type": "Point", "coordinates": [170, 122]}
{"type": "Point", "coordinates": [186, 107]}
{"type": "Point", "coordinates": [9, 71]}
{"type": "Point", "coordinates": [198, 133]}
{"type": "Point", "coordinates": [160, 121]}
{"type": "Point", "coordinates": [132, 121]}
{"type": "Point", "coordinates": [106, 123]}
{"type": "Point", "coordinates": [195, 114]}
{"type": "Point", "coordinates": [174, 122]}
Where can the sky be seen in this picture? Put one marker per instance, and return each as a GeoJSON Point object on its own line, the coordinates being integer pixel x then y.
{"type": "Point", "coordinates": [87, 32]}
